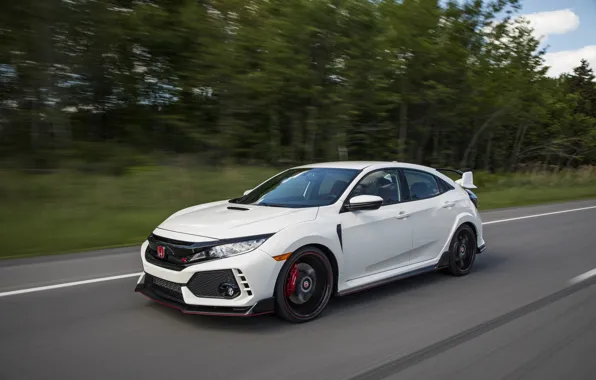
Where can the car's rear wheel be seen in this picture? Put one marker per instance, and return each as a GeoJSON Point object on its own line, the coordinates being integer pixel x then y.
{"type": "Point", "coordinates": [304, 286]}
{"type": "Point", "coordinates": [462, 251]}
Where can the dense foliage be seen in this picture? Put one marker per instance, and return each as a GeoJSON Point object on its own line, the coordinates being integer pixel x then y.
{"type": "Point", "coordinates": [287, 81]}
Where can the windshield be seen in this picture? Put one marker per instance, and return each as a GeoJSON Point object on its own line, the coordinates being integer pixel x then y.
{"type": "Point", "coordinates": [305, 187]}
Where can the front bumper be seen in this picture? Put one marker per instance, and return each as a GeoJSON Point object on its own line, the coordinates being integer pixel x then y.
{"type": "Point", "coordinates": [264, 306]}
{"type": "Point", "coordinates": [196, 289]}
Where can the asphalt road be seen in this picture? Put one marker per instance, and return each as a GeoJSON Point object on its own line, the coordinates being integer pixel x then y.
{"type": "Point", "coordinates": [517, 316]}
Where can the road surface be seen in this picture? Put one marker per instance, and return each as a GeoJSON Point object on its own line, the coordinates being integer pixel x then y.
{"type": "Point", "coordinates": [519, 315]}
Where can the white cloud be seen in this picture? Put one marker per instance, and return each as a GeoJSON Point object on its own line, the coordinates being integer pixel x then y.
{"type": "Point", "coordinates": [545, 24]}
{"type": "Point", "coordinates": [561, 21]}
{"type": "Point", "coordinates": [564, 61]}
{"type": "Point", "coordinates": [553, 22]}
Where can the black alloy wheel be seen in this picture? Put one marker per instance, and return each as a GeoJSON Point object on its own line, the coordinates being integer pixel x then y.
{"type": "Point", "coordinates": [462, 251]}
{"type": "Point", "coordinates": [304, 286]}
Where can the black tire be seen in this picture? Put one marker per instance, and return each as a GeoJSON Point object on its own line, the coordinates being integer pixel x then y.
{"type": "Point", "coordinates": [462, 251]}
{"type": "Point", "coordinates": [313, 286]}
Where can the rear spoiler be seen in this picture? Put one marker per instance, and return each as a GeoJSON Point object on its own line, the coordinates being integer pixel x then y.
{"type": "Point", "coordinates": [467, 178]}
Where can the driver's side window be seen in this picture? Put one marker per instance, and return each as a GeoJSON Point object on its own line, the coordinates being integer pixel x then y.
{"type": "Point", "coordinates": [383, 183]}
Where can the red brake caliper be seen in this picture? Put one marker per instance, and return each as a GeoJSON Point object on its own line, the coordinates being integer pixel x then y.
{"type": "Point", "coordinates": [291, 284]}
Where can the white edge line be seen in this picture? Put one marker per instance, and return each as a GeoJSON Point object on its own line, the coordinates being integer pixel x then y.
{"type": "Point", "coordinates": [538, 215]}
{"type": "Point", "coordinates": [579, 278]}
{"type": "Point", "coordinates": [583, 277]}
{"type": "Point", "coordinates": [68, 284]}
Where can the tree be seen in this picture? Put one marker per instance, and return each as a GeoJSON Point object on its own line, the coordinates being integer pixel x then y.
{"type": "Point", "coordinates": [450, 83]}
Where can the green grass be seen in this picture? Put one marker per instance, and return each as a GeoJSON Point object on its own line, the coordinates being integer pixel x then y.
{"type": "Point", "coordinates": [69, 211]}
{"type": "Point", "coordinates": [530, 196]}
{"type": "Point", "coordinates": [534, 187]}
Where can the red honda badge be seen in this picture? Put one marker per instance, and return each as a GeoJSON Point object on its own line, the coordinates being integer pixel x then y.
{"type": "Point", "coordinates": [161, 251]}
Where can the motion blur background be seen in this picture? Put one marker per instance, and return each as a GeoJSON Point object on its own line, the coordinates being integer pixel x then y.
{"type": "Point", "coordinates": [115, 114]}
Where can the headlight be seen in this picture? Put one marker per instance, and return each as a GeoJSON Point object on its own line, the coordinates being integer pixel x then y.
{"type": "Point", "coordinates": [234, 249]}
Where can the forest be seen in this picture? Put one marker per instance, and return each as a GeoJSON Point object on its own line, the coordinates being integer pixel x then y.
{"type": "Point", "coordinates": [282, 82]}
{"type": "Point", "coordinates": [115, 114]}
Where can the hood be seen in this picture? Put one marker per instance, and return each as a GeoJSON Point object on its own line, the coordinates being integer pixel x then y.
{"type": "Point", "coordinates": [223, 220]}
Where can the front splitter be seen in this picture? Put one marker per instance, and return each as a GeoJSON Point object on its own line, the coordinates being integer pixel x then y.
{"type": "Point", "coordinates": [262, 307]}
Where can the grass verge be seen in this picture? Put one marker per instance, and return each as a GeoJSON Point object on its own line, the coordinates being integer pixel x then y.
{"type": "Point", "coordinates": [64, 212]}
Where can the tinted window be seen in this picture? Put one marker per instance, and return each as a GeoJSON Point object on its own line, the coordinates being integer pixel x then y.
{"type": "Point", "coordinates": [383, 183]}
{"type": "Point", "coordinates": [335, 182]}
{"type": "Point", "coordinates": [422, 185]}
{"type": "Point", "coordinates": [306, 187]}
{"type": "Point", "coordinates": [444, 186]}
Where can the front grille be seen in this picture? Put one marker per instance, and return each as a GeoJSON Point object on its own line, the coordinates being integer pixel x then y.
{"type": "Point", "coordinates": [177, 253]}
{"type": "Point", "coordinates": [151, 256]}
{"type": "Point", "coordinates": [169, 241]}
{"type": "Point", "coordinates": [173, 247]}
{"type": "Point", "coordinates": [207, 284]}
{"type": "Point", "coordinates": [164, 288]}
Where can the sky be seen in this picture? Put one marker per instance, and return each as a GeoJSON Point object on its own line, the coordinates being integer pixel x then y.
{"type": "Point", "coordinates": [567, 29]}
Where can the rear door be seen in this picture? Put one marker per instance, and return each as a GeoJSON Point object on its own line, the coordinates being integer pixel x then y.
{"type": "Point", "coordinates": [431, 206]}
{"type": "Point", "coordinates": [376, 240]}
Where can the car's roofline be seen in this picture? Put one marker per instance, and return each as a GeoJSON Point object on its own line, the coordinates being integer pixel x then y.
{"type": "Point", "coordinates": [358, 165]}
{"type": "Point", "coordinates": [369, 165]}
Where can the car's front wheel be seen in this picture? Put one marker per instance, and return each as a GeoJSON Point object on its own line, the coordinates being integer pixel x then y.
{"type": "Point", "coordinates": [462, 252]}
{"type": "Point", "coordinates": [304, 285]}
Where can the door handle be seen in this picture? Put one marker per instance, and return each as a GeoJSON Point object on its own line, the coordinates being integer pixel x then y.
{"type": "Point", "coordinates": [402, 215]}
{"type": "Point", "coordinates": [448, 204]}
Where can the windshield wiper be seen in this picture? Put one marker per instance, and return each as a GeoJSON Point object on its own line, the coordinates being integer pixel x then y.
{"type": "Point", "coordinates": [272, 205]}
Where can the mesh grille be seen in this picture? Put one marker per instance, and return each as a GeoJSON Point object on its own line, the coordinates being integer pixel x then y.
{"type": "Point", "coordinates": [164, 288]}
{"type": "Point", "coordinates": [206, 284]}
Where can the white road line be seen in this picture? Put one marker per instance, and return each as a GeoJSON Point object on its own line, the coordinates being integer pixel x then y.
{"type": "Point", "coordinates": [102, 279]}
{"type": "Point", "coordinates": [538, 215]}
{"type": "Point", "coordinates": [583, 277]}
{"type": "Point", "coordinates": [69, 284]}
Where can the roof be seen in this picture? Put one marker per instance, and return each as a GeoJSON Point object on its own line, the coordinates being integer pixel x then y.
{"type": "Point", "coordinates": [342, 164]}
{"type": "Point", "coordinates": [359, 165]}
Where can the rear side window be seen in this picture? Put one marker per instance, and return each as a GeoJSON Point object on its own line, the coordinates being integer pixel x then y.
{"type": "Point", "coordinates": [421, 185]}
{"type": "Point", "coordinates": [444, 186]}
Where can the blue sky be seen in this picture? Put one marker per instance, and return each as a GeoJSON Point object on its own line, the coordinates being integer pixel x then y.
{"type": "Point", "coordinates": [568, 28]}
{"type": "Point", "coordinates": [583, 35]}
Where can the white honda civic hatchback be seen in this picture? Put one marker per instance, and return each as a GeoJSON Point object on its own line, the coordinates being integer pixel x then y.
{"type": "Point", "coordinates": [309, 233]}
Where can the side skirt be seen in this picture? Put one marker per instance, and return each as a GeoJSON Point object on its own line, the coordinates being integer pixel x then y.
{"type": "Point", "coordinates": [387, 280]}
{"type": "Point", "coordinates": [443, 263]}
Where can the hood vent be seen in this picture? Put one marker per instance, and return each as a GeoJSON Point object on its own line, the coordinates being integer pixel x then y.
{"type": "Point", "coordinates": [237, 208]}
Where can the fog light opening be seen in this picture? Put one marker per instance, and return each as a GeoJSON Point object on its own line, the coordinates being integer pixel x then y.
{"type": "Point", "coordinates": [228, 290]}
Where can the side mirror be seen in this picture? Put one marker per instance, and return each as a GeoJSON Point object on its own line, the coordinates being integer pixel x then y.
{"type": "Point", "coordinates": [364, 202]}
{"type": "Point", "coordinates": [247, 192]}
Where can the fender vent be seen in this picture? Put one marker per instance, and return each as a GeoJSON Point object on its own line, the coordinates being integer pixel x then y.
{"type": "Point", "coordinates": [244, 286]}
